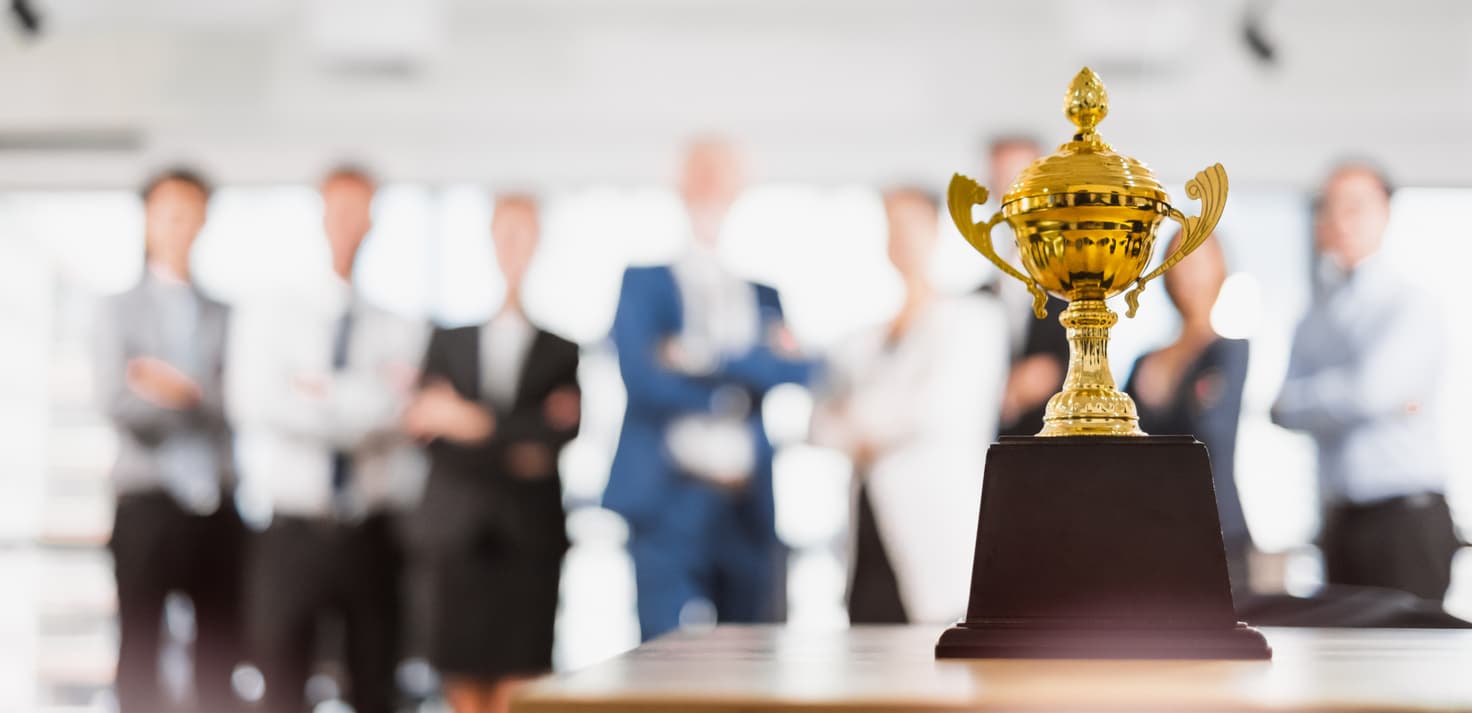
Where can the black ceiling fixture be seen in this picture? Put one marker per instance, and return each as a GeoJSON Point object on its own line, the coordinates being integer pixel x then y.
{"type": "Point", "coordinates": [26, 17]}
{"type": "Point", "coordinates": [1263, 49]}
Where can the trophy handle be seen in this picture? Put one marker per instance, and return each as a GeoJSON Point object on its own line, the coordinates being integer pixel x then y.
{"type": "Point", "coordinates": [1209, 187]}
{"type": "Point", "coordinates": [963, 194]}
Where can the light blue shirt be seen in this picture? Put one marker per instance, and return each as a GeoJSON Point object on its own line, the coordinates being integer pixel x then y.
{"type": "Point", "coordinates": [186, 457]}
{"type": "Point", "coordinates": [1363, 380]}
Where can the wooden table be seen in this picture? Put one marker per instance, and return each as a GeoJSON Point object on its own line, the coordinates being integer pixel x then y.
{"type": "Point", "coordinates": [871, 669]}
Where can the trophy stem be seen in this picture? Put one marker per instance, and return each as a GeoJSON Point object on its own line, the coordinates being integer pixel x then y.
{"type": "Point", "coordinates": [1089, 404]}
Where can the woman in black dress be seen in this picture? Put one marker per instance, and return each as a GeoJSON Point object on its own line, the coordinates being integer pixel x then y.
{"type": "Point", "coordinates": [498, 401]}
{"type": "Point", "coordinates": [1194, 386]}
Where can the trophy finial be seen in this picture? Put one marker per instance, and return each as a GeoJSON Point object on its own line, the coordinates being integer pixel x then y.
{"type": "Point", "coordinates": [1086, 103]}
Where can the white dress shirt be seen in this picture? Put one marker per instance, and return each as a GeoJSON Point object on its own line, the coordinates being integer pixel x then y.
{"type": "Point", "coordinates": [293, 410]}
{"type": "Point", "coordinates": [721, 321]}
{"type": "Point", "coordinates": [504, 343]}
{"type": "Point", "coordinates": [928, 405]}
{"type": "Point", "coordinates": [1363, 382]}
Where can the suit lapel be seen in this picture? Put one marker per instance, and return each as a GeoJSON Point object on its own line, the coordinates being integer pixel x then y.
{"type": "Point", "coordinates": [150, 327]}
{"type": "Point", "coordinates": [676, 300]}
{"type": "Point", "coordinates": [528, 381]}
{"type": "Point", "coordinates": [465, 364]}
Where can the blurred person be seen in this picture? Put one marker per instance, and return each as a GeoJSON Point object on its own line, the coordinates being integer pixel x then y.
{"type": "Point", "coordinates": [1362, 381]}
{"type": "Point", "coordinates": [1194, 387]}
{"type": "Point", "coordinates": [497, 402]}
{"type": "Point", "coordinates": [913, 403]}
{"type": "Point", "coordinates": [1039, 346]}
{"type": "Point", "coordinates": [160, 353]}
{"type": "Point", "coordinates": [698, 348]}
{"type": "Point", "coordinates": [318, 388]}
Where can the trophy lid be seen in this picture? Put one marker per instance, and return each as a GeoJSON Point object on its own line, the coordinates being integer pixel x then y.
{"type": "Point", "coordinates": [1086, 164]}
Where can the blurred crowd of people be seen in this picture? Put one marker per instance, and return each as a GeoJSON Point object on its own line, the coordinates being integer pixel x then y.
{"type": "Point", "coordinates": [386, 447]}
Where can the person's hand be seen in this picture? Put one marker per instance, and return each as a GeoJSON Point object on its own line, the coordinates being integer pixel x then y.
{"type": "Point", "coordinates": [672, 354]}
{"type": "Point", "coordinates": [160, 383]}
{"type": "Point", "coordinates": [401, 377]}
{"type": "Point", "coordinates": [312, 384]}
{"type": "Point", "coordinates": [782, 341]}
{"type": "Point", "coordinates": [529, 461]}
{"type": "Point", "coordinates": [562, 408]}
{"type": "Point", "coordinates": [438, 411]}
{"type": "Point", "coordinates": [864, 455]}
{"type": "Point", "coordinates": [687, 356]}
{"type": "Point", "coordinates": [1030, 384]}
{"type": "Point", "coordinates": [1153, 381]}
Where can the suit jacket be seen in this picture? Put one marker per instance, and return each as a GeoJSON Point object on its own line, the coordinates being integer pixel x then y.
{"type": "Point", "coordinates": [130, 326]}
{"type": "Point", "coordinates": [1208, 405]}
{"type": "Point", "coordinates": [1044, 336]}
{"type": "Point", "coordinates": [293, 410]}
{"type": "Point", "coordinates": [644, 484]}
{"type": "Point", "coordinates": [473, 499]}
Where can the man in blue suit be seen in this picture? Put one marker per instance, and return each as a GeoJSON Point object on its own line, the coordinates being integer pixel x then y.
{"type": "Point", "coordinates": [698, 348]}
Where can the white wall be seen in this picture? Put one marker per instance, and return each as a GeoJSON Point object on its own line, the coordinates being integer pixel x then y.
{"type": "Point", "coordinates": [535, 92]}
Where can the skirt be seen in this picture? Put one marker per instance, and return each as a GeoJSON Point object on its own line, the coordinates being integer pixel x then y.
{"type": "Point", "coordinates": [493, 613]}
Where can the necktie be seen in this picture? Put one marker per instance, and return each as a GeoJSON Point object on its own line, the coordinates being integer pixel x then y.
{"type": "Point", "coordinates": [341, 460]}
{"type": "Point", "coordinates": [341, 336]}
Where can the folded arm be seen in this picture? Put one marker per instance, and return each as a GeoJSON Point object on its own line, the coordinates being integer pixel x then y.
{"type": "Point", "coordinates": [763, 368]}
{"type": "Point", "coordinates": [266, 389]}
{"type": "Point", "coordinates": [637, 336]}
{"type": "Point", "coordinates": [556, 419]}
{"type": "Point", "coordinates": [145, 420]}
{"type": "Point", "coordinates": [1397, 370]}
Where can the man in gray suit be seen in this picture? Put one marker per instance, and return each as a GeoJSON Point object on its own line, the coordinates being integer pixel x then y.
{"type": "Point", "coordinates": [160, 350]}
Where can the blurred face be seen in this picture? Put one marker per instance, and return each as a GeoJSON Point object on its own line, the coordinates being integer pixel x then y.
{"type": "Point", "coordinates": [173, 214]}
{"type": "Point", "coordinates": [1195, 282]}
{"type": "Point", "coordinates": [711, 181]}
{"type": "Point", "coordinates": [1008, 161]}
{"type": "Point", "coordinates": [347, 216]}
{"type": "Point", "coordinates": [1351, 218]}
{"type": "Point", "coordinates": [913, 225]}
{"type": "Point", "coordinates": [515, 231]}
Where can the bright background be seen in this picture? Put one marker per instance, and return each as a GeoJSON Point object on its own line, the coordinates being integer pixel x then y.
{"type": "Point", "coordinates": [587, 102]}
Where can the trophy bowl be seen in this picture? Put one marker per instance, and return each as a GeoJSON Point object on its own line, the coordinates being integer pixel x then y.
{"type": "Point", "coordinates": [1085, 221]}
{"type": "Point", "coordinates": [1085, 245]}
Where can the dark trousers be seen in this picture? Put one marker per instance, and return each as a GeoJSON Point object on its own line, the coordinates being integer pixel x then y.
{"type": "Point", "coordinates": [873, 592]}
{"type": "Point", "coordinates": [725, 565]}
{"type": "Point", "coordinates": [159, 547]}
{"type": "Point", "coordinates": [305, 571]}
{"type": "Point", "coordinates": [1403, 543]}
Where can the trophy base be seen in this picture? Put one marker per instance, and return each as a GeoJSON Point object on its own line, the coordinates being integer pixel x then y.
{"type": "Point", "coordinates": [1100, 547]}
{"type": "Point", "coordinates": [1090, 426]}
{"type": "Point", "coordinates": [1010, 640]}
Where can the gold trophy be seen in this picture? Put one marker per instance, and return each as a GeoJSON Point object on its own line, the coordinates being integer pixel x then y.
{"type": "Point", "coordinates": [1094, 540]}
{"type": "Point", "coordinates": [1085, 220]}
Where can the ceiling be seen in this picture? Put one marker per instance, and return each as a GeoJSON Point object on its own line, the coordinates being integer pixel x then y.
{"type": "Point", "coordinates": [533, 92]}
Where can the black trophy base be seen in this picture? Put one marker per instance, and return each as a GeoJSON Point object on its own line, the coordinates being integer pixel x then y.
{"type": "Point", "coordinates": [979, 640]}
{"type": "Point", "coordinates": [1097, 547]}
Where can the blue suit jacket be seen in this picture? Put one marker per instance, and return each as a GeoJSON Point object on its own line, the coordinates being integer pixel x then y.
{"type": "Point", "coordinates": [644, 485]}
